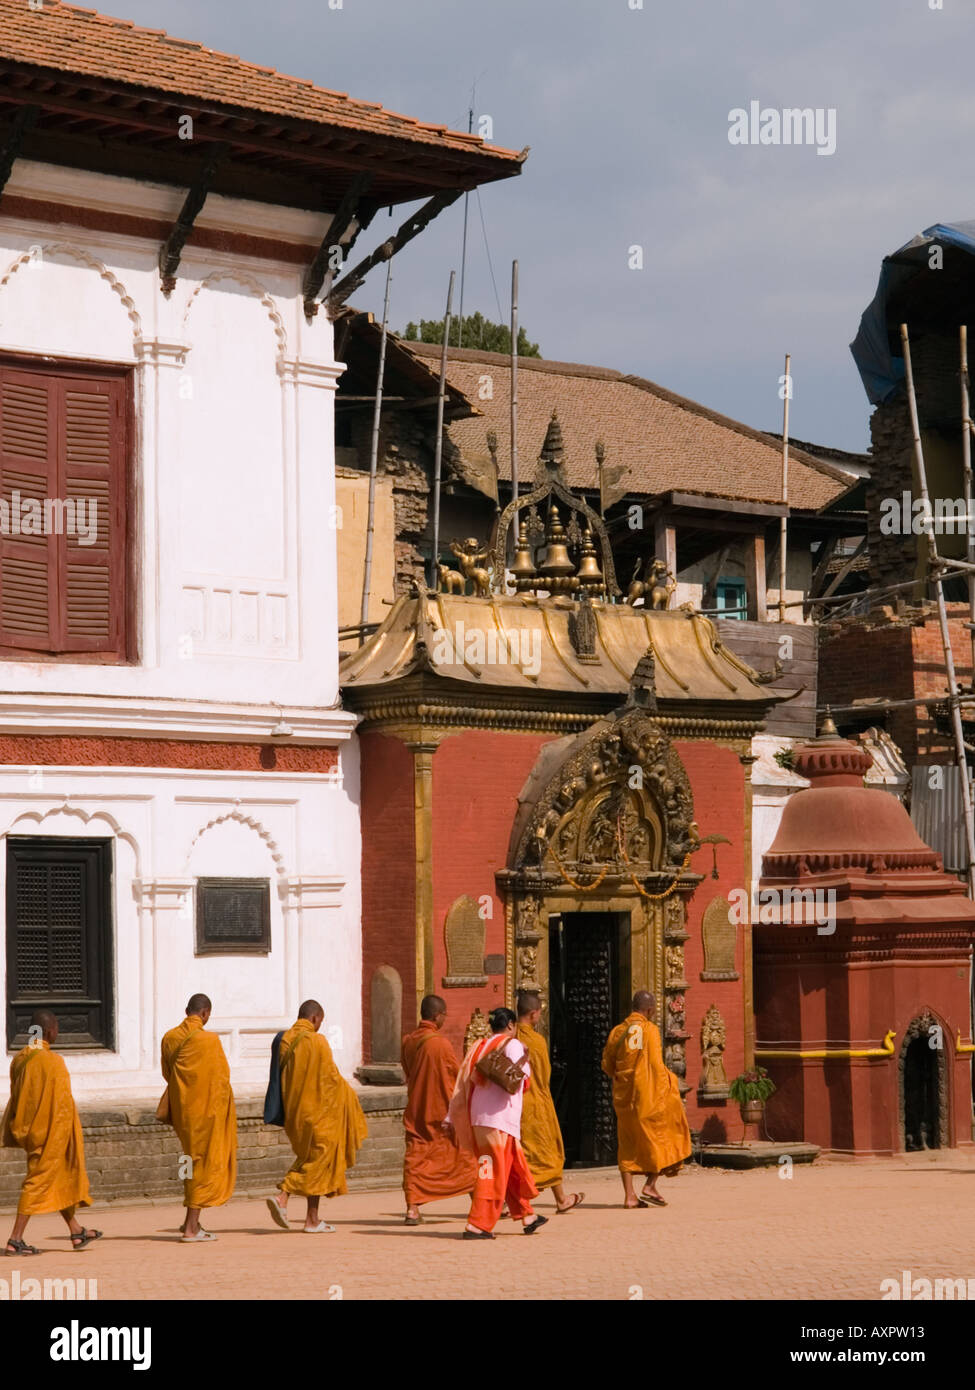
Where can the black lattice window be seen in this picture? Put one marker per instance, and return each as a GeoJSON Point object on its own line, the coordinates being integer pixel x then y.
{"type": "Point", "coordinates": [233, 916]}
{"type": "Point", "coordinates": [59, 937]}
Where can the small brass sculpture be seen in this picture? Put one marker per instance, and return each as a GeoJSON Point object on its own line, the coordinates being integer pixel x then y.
{"type": "Point", "coordinates": [451, 582]}
{"type": "Point", "coordinates": [656, 588]}
{"type": "Point", "coordinates": [469, 553]}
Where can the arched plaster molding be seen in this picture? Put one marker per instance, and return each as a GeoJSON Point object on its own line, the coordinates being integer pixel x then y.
{"type": "Point", "coordinates": [65, 808]}
{"type": "Point", "coordinates": [249, 282]}
{"type": "Point", "coordinates": [277, 856]}
{"type": "Point", "coordinates": [77, 253]}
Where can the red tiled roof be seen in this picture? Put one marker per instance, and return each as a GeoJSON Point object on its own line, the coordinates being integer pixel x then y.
{"type": "Point", "coordinates": [79, 41]}
{"type": "Point", "coordinates": [664, 441]}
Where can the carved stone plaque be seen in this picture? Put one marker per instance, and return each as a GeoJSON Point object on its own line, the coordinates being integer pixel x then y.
{"type": "Point", "coordinates": [464, 936]}
{"type": "Point", "coordinates": [718, 932]}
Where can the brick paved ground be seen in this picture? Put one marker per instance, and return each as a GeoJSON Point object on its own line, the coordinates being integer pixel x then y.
{"type": "Point", "coordinates": [835, 1230]}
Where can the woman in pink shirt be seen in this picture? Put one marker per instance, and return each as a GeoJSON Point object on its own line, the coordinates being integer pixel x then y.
{"type": "Point", "coordinates": [487, 1120]}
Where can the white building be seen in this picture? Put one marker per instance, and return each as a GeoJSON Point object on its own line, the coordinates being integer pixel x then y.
{"type": "Point", "coordinates": [178, 786]}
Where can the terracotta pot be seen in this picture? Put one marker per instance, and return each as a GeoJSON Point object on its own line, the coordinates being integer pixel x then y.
{"type": "Point", "coordinates": [751, 1111]}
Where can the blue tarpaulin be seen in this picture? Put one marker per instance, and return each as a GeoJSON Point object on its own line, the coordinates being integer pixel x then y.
{"type": "Point", "coordinates": [880, 370]}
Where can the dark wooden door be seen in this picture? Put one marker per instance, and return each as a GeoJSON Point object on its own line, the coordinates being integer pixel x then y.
{"type": "Point", "coordinates": [587, 953]}
{"type": "Point", "coordinates": [60, 938]}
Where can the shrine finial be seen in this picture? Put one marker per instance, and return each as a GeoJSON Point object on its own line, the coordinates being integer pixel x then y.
{"type": "Point", "coordinates": [553, 450]}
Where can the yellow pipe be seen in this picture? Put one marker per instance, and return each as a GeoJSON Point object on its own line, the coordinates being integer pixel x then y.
{"type": "Point", "coordinates": [886, 1051]}
{"type": "Point", "coordinates": [963, 1047]}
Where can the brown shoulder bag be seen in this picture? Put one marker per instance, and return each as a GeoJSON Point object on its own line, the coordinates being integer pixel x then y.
{"type": "Point", "coordinates": [496, 1067]}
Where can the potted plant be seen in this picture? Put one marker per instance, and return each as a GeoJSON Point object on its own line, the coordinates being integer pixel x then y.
{"type": "Point", "coordinates": [751, 1089]}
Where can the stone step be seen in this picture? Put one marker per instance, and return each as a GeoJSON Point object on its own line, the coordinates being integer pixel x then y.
{"type": "Point", "coordinates": [131, 1157]}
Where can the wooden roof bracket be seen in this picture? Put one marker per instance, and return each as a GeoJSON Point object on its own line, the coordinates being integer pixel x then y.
{"type": "Point", "coordinates": [171, 251]}
{"type": "Point", "coordinates": [410, 228]}
{"type": "Point", "coordinates": [19, 127]}
{"type": "Point", "coordinates": [321, 272]}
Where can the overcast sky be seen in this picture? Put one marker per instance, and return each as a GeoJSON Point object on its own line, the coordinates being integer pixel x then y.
{"type": "Point", "coordinates": [749, 251]}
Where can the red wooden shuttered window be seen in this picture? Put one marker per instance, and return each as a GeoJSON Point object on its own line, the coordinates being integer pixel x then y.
{"type": "Point", "coordinates": [62, 472]}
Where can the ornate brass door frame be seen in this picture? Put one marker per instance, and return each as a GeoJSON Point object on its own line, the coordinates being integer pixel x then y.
{"type": "Point", "coordinates": [657, 932]}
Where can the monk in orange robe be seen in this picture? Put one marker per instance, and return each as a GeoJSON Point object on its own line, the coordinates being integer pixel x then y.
{"type": "Point", "coordinates": [654, 1136]}
{"type": "Point", "coordinates": [200, 1106]}
{"type": "Point", "coordinates": [42, 1119]}
{"type": "Point", "coordinates": [322, 1119]}
{"type": "Point", "coordinates": [541, 1136]}
{"type": "Point", "coordinates": [434, 1166]}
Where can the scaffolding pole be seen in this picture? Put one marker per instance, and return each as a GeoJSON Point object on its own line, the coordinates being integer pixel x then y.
{"type": "Point", "coordinates": [966, 454]}
{"type": "Point", "coordinates": [783, 523]}
{"type": "Point", "coordinates": [935, 569]}
{"type": "Point", "coordinates": [373, 459]}
{"type": "Point", "coordinates": [438, 446]}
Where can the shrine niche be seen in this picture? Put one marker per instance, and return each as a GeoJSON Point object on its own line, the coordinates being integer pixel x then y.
{"type": "Point", "coordinates": [596, 886]}
{"type": "Point", "coordinates": [464, 938]}
{"type": "Point", "coordinates": [718, 933]}
{"type": "Point", "coordinates": [714, 1083]}
{"type": "Point", "coordinates": [923, 1084]}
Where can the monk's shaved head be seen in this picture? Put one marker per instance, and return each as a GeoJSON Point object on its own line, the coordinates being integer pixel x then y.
{"type": "Point", "coordinates": [311, 1009]}
{"type": "Point", "coordinates": [528, 1002]}
{"type": "Point", "coordinates": [46, 1022]}
{"type": "Point", "coordinates": [430, 1006]}
{"type": "Point", "coordinates": [643, 1002]}
{"type": "Point", "coordinates": [199, 1004]}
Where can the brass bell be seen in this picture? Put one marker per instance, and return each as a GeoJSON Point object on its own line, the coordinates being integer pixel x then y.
{"type": "Point", "coordinates": [590, 575]}
{"type": "Point", "coordinates": [523, 570]}
{"type": "Point", "coordinates": [556, 567]}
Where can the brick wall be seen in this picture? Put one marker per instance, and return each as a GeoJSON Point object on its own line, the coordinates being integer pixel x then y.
{"type": "Point", "coordinates": [718, 784]}
{"type": "Point", "coordinates": [900, 659]}
{"type": "Point", "coordinates": [388, 870]}
{"type": "Point", "coordinates": [477, 776]}
{"type": "Point", "coordinates": [132, 1158]}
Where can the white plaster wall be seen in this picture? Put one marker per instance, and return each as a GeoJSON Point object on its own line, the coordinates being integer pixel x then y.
{"type": "Point", "coordinates": [234, 455]}
{"type": "Point", "coordinates": [170, 827]}
{"type": "Point", "coordinates": [236, 601]}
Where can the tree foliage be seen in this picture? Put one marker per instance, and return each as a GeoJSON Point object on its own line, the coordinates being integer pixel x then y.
{"type": "Point", "coordinates": [473, 331]}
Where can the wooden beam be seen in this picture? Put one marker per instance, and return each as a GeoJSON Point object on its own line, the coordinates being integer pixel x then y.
{"type": "Point", "coordinates": [742, 507]}
{"type": "Point", "coordinates": [410, 228]}
{"type": "Point", "coordinates": [755, 594]}
{"type": "Point", "coordinates": [823, 556]}
{"type": "Point", "coordinates": [171, 251]}
{"type": "Point", "coordinates": [665, 543]}
{"type": "Point", "coordinates": [400, 165]}
{"type": "Point", "coordinates": [841, 574]}
{"type": "Point", "coordinates": [22, 122]}
{"type": "Point", "coordinates": [320, 274]}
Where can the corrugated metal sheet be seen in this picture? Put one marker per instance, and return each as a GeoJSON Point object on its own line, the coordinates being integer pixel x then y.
{"type": "Point", "coordinates": [936, 810]}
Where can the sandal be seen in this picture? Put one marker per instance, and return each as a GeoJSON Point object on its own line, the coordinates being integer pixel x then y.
{"type": "Point", "coordinates": [201, 1235]}
{"type": "Point", "coordinates": [412, 1220]}
{"type": "Point", "coordinates": [647, 1200]}
{"type": "Point", "coordinates": [20, 1247]}
{"type": "Point", "coordinates": [278, 1214]}
{"type": "Point", "coordinates": [323, 1228]}
{"type": "Point", "coordinates": [84, 1237]}
{"type": "Point", "coordinates": [576, 1200]}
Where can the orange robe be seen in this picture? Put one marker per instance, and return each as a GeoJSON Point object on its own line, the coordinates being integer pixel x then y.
{"type": "Point", "coordinates": [541, 1137]}
{"type": "Point", "coordinates": [42, 1119]}
{"type": "Point", "coordinates": [653, 1131]}
{"type": "Point", "coordinates": [201, 1104]}
{"type": "Point", "coordinates": [322, 1115]}
{"type": "Point", "coordinates": [433, 1166]}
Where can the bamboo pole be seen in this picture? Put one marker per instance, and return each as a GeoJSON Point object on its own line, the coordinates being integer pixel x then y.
{"type": "Point", "coordinates": [374, 457]}
{"type": "Point", "coordinates": [514, 379]}
{"type": "Point", "coordinates": [935, 566]}
{"type": "Point", "coordinates": [966, 454]}
{"type": "Point", "coordinates": [438, 447]}
{"type": "Point", "coordinates": [783, 523]}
